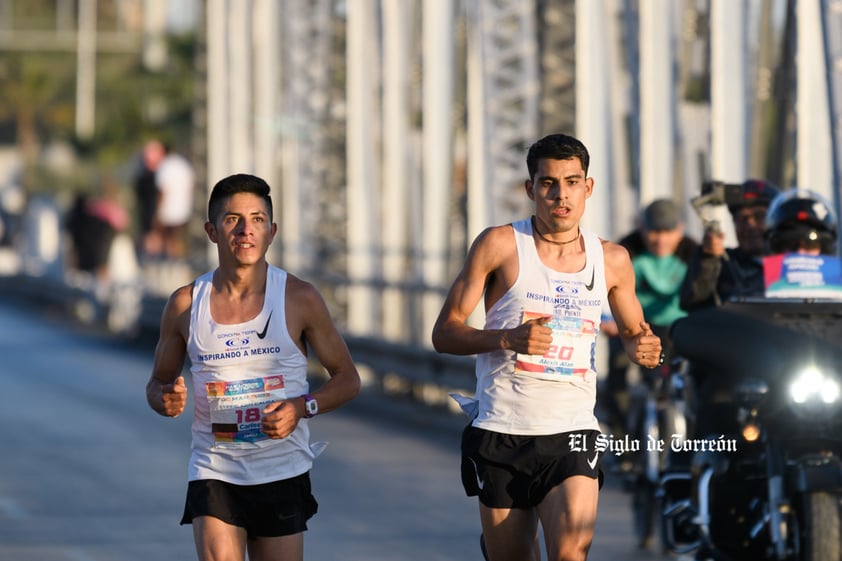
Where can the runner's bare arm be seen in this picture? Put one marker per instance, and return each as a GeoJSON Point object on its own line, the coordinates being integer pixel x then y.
{"type": "Point", "coordinates": [483, 271]}
{"type": "Point", "coordinates": [328, 346]}
{"type": "Point", "coordinates": [635, 333]}
{"type": "Point", "coordinates": [166, 392]}
{"type": "Point", "coordinates": [310, 324]}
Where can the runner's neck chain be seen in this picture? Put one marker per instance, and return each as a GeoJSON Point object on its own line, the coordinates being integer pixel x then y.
{"type": "Point", "coordinates": [535, 229]}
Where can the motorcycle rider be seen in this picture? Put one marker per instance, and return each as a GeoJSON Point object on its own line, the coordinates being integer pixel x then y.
{"type": "Point", "coordinates": [801, 221]}
{"type": "Point", "coordinates": [728, 347]}
{"type": "Point", "coordinates": [797, 221]}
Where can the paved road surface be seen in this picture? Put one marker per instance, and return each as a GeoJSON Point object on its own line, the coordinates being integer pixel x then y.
{"type": "Point", "coordinates": [89, 473]}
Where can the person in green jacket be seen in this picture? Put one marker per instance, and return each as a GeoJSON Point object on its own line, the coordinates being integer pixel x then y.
{"type": "Point", "coordinates": [660, 251]}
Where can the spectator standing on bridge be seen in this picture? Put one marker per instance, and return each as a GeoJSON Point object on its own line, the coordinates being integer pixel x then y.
{"type": "Point", "coordinates": [248, 327]}
{"type": "Point", "coordinates": [94, 221]}
{"type": "Point", "coordinates": [530, 452]}
{"type": "Point", "coordinates": [146, 197]}
{"type": "Point", "coordinates": [175, 179]}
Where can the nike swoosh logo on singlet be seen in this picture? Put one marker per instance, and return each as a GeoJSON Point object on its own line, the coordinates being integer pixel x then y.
{"type": "Point", "coordinates": [589, 286]}
{"type": "Point", "coordinates": [262, 334]}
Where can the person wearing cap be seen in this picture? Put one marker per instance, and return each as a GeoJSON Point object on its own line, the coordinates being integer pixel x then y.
{"type": "Point", "coordinates": [716, 273]}
{"type": "Point", "coordinates": [660, 251]}
{"type": "Point", "coordinates": [660, 270]}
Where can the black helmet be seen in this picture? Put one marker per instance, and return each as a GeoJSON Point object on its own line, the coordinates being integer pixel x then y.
{"type": "Point", "coordinates": [753, 192]}
{"type": "Point", "coordinates": [799, 216]}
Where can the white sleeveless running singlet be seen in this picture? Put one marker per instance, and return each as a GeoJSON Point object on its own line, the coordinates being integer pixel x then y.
{"type": "Point", "coordinates": [237, 370]}
{"type": "Point", "coordinates": [554, 393]}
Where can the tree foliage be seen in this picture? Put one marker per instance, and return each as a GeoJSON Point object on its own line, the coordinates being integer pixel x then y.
{"type": "Point", "coordinates": [132, 104]}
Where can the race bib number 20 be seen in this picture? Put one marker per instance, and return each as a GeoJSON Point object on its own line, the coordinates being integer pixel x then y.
{"type": "Point", "coordinates": [570, 353]}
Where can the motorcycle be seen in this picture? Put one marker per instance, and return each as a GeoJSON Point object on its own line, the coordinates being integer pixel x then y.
{"type": "Point", "coordinates": [658, 412]}
{"type": "Point", "coordinates": [770, 487]}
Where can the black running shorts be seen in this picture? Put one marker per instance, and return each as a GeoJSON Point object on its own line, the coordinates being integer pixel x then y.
{"type": "Point", "coordinates": [512, 471]}
{"type": "Point", "coordinates": [280, 508]}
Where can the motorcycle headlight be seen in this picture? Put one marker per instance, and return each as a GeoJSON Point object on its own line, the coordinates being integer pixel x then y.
{"type": "Point", "coordinates": [814, 387]}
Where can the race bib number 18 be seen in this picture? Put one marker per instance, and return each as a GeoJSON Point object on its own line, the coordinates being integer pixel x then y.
{"type": "Point", "coordinates": [236, 409]}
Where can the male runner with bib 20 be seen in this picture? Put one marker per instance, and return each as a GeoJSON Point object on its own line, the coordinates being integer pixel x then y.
{"type": "Point", "coordinates": [247, 327]}
{"type": "Point", "coordinates": [529, 452]}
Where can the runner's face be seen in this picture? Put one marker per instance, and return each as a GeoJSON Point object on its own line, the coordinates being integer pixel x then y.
{"type": "Point", "coordinates": [560, 189]}
{"type": "Point", "coordinates": [244, 230]}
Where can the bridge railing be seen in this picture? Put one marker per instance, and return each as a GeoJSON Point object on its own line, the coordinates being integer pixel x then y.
{"type": "Point", "coordinates": [397, 369]}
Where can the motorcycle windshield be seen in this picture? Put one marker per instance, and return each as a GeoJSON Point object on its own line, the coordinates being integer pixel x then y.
{"type": "Point", "coordinates": [766, 338]}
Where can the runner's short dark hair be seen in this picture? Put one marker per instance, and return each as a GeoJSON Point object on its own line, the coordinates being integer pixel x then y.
{"type": "Point", "coordinates": [556, 147]}
{"type": "Point", "coordinates": [233, 184]}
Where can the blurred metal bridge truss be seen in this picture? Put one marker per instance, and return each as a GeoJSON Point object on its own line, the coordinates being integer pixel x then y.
{"type": "Point", "coordinates": [521, 85]}
{"type": "Point", "coordinates": [307, 31]}
{"type": "Point", "coordinates": [832, 31]}
{"type": "Point", "coordinates": [504, 92]}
